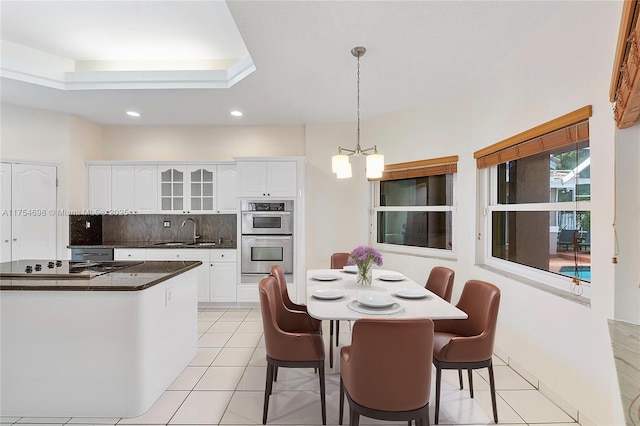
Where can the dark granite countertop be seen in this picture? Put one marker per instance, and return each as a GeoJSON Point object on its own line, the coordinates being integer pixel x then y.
{"type": "Point", "coordinates": [134, 276]}
{"type": "Point", "coordinates": [159, 244]}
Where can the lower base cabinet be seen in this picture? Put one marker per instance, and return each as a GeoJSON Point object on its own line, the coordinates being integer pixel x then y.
{"type": "Point", "coordinates": [216, 277]}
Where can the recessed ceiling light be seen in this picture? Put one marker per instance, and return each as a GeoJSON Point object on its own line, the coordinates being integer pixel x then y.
{"type": "Point", "coordinates": [236, 113]}
{"type": "Point", "coordinates": [133, 114]}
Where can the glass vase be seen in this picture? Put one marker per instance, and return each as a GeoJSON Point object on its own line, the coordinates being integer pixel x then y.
{"type": "Point", "coordinates": [365, 275]}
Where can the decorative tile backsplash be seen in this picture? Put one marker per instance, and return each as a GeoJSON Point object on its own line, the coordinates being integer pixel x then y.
{"type": "Point", "coordinates": [150, 228]}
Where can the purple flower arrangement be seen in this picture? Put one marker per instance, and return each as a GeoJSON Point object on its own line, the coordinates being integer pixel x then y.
{"type": "Point", "coordinates": [364, 257]}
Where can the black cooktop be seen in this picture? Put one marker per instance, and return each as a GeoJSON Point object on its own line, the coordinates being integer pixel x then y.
{"type": "Point", "coordinates": [59, 269]}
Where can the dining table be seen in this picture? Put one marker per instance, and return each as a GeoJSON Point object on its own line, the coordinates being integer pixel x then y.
{"type": "Point", "coordinates": [334, 294]}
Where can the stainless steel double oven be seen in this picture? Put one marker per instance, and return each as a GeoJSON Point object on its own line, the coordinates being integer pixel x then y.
{"type": "Point", "coordinates": [267, 236]}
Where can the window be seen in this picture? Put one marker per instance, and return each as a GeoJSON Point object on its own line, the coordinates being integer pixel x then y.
{"type": "Point", "coordinates": [538, 204]}
{"type": "Point", "coordinates": [413, 206]}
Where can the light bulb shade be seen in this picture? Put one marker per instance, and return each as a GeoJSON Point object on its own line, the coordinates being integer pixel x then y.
{"type": "Point", "coordinates": [345, 173]}
{"type": "Point", "coordinates": [339, 162]}
{"type": "Point", "coordinates": [375, 166]}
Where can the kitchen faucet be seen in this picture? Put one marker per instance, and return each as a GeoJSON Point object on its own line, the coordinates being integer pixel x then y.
{"type": "Point", "coordinates": [195, 224]}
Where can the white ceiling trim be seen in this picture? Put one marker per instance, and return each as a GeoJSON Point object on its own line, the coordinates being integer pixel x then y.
{"type": "Point", "coordinates": [37, 67]}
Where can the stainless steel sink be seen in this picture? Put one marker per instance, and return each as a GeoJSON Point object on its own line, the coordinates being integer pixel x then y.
{"type": "Point", "coordinates": [170, 243]}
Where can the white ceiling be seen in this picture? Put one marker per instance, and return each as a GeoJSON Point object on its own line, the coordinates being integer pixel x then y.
{"type": "Point", "coordinates": [418, 52]}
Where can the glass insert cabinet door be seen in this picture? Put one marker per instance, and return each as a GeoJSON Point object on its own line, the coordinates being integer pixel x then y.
{"type": "Point", "coordinates": [172, 188]}
{"type": "Point", "coordinates": [201, 196]}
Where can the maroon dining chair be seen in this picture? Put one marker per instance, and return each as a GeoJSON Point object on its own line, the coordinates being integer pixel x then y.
{"type": "Point", "coordinates": [278, 274]}
{"type": "Point", "coordinates": [285, 345]}
{"type": "Point", "coordinates": [440, 282]}
{"type": "Point", "coordinates": [384, 372]}
{"type": "Point", "coordinates": [467, 344]}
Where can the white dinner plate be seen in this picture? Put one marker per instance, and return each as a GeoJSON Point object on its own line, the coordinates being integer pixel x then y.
{"type": "Point", "coordinates": [352, 269]}
{"type": "Point", "coordinates": [328, 293]}
{"type": "Point", "coordinates": [412, 293]}
{"type": "Point", "coordinates": [375, 300]}
{"type": "Point", "coordinates": [391, 277]}
{"type": "Point", "coordinates": [325, 277]}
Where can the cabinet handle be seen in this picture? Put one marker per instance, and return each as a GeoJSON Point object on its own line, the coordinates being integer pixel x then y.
{"type": "Point", "coordinates": [6, 241]}
{"type": "Point", "coordinates": [222, 255]}
{"type": "Point", "coordinates": [15, 239]}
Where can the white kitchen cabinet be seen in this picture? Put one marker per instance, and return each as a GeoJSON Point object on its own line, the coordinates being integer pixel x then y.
{"type": "Point", "coordinates": [267, 178]}
{"type": "Point", "coordinates": [145, 199]}
{"type": "Point", "coordinates": [122, 187]}
{"type": "Point", "coordinates": [188, 254]}
{"type": "Point", "coordinates": [173, 184]}
{"type": "Point", "coordinates": [226, 188]}
{"type": "Point", "coordinates": [99, 186]}
{"type": "Point", "coordinates": [187, 189]}
{"type": "Point", "coordinates": [223, 275]}
{"type": "Point", "coordinates": [28, 211]}
{"type": "Point", "coordinates": [129, 254]}
{"type": "Point", "coordinates": [201, 189]}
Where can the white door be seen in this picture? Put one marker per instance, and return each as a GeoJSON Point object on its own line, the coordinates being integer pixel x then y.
{"type": "Point", "coordinates": [122, 188]}
{"type": "Point", "coordinates": [99, 187]}
{"type": "Point", "coordinates": [252, 178]}
{"type": "Point", "coordinates": [146, 189]}
{"type": "Point", "coordinates": [227, 189]}
{"type": "Point", "coordinates": [201, 188]}
{"type": "Point", "coordinates": [172, 188]}
{"type": "Point", "coordinates": [33, 201]}
{"type": "Point", "coordinates": [281, 179]}
{"type": "Point", "coordinates": [5, 206]}
{"type": "Point", "coordinates": [223, 281]}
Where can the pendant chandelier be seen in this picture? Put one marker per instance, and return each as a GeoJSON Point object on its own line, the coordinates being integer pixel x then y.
{"type": "Point", "coordinates": [340, 164]}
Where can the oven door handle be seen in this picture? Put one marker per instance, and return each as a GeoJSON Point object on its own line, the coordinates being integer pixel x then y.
{"type": "Point", "coordinates": [266, 213]}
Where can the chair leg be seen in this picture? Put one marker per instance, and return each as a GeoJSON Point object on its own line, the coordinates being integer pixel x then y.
{"type": "Point", "coordinates": [322, 395]}
{"type": "Point", "coordinates": [340, 414]}
{"type": "Point", "coordinates": [354, 418]}
{"type": "Point", "coordinates": [337, 333]}
{"type": "Point", "coordinates": [331, 344]}
{"type": "Point", "coordinates": [267, 391]}
{"type": "Point", "coordinates": [438, 377]}
{"type": "Point", "coordinates": [460, 378]}
{"type": "Point", "coordinates": [275, 374]}
{"type": "Point", "coordinates": [493, 393]}
{"type": "Point", "coordinates": [470, 382]}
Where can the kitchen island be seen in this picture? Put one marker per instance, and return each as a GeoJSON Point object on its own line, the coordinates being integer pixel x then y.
{"type": "Point", "coordinates": [98, 341]}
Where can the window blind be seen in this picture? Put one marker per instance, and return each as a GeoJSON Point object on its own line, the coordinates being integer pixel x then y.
{"type": "Point", "coordinates": [569, 129]}
{"type": "Point", "coordinates": [420, 168]}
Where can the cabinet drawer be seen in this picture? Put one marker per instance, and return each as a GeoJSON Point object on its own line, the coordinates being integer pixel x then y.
{"type": "Point", "coordinates": [223, 255]}
{"type": "Point", "coordinates": [129, 254]}
{"type": "Point", "coordinates": [177, 254]}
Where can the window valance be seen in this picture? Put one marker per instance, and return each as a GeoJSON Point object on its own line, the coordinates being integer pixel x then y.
{"type": "Point", "coordinates": [570, 129]}
{"type": "Point", "coordinates": [420, 168]}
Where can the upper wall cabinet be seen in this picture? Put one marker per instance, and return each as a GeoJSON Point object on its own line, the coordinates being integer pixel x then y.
{"type": "Point", "coordinates": [134, 188]}
{"type": "Point", "coordinates": [227, 188]}
{"type": "Point", "coordinates": [198, 188]}
{"type": "Point", "coordinates": [99, 187]}
{"type": "Point", "coordinates": [165, 188]}
{"type": "Point", "coordinates": [267, 178]}
{"type": "Point", "coordinates": [173, 185]}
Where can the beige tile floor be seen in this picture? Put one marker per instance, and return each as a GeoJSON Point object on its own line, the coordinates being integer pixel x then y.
{"type": "Point", "coordinates": [224, 384]}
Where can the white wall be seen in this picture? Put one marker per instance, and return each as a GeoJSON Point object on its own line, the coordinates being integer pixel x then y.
{"type": "Point", "coordinates": [564, 66]}
{"type": "Point", "coordinates": [206, 143]}
{"type": "Point", "coordinates": [336, 209]}
{"type": "Point", "coordinates": [627, 282]}
{"type": "Point", "coordinates": [38, 136]}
